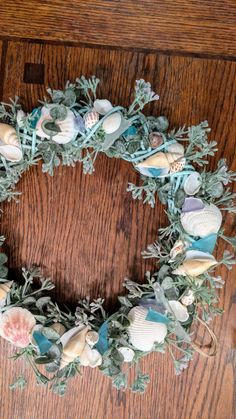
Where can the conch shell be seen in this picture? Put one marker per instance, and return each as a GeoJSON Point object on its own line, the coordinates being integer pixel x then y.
{"type": "Point", "coordinates": [160, 163]}
{"type": "Point", "coordinates": [73, 342]}
{"type": "Point", "coordinates": [195, 263]}
{"type": "Point", "coordinates": [9, 143]}
{"type": "Point", "coordinates": [4, 290]}
{"type": "Point", "coordinates": [15, 326]}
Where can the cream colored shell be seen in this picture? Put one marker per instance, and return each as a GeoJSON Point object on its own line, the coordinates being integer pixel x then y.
{"type": "Point", "coordinates": [160, 160]}
{"type": "Point", "coordinates": [73, 343]}
{"type": "Point", "coordinates": [90, 357]}
{"type": "Point", "coordinates": [4, 290]}
{"type": "Point", "coordinates": [202, 222]}
{"type": "Point", "coordinates": [143, 333]}
{"type": "Point", "coordinates": [9, 143]}
{"type": "Point", "coordinates": [102, 106]}
{"type": "Point", "coordinates": [195, 263]}
{"type": "Point", "coordinates": [112, 123]}
{"type": "Point", "coordinates": [179, 310]}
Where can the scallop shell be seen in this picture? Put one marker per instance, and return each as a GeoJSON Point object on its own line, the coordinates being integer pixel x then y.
{"type": "Point", "coordinates": [16, 325]}
{"type": "Point", "coordinates": [67, 126]}
{"type": "Point", "coordinates": [90, 357]}
{"type": "Point", "coordinates": [73, 343]}
{"type": "Point", "coordinates": [112, 123]}
{"type": "Point", "coordinates": [193, 183]}
{"type": "Point", "coordinates": [4, 290]}
{"type": "Point", "coordinates": [102, 106]}
{"type": "Point", "coordinates": [180, 311]}
{"type": "Point", "coordinates": [202, 222]}
{"type": "Point", "coordinates": [127, 353]}
{"type": "Point", "coordinates": [143, 333]}
{"type": "Point", "coordinates": [90, 119]}
{"type": "Point", "coordinates": [9, 143]}
{"type": "Point", "coordinates": [188, 298]}
{"type": "Point", "coordinates": [92, 337]}
{"type": "Point", "coordinates": [195, 263]}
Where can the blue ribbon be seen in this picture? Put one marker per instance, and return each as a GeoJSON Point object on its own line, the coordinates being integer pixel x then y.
{"type": "Point", "coordinates": [155, 316]}
{"type": "Point", "coordinates": [43, 343]}
{"type": "Point", "coordinates": [206, 244]}
{"type": "Point", "coordinates": [102, 344]}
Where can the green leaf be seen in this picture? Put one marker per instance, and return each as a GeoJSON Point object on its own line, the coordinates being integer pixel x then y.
{"type": "Point", "coordinates": [125, 301]}
{"type": "Point", "coordinates": [20, 382]}
{"type": "Point", "coordinates": [120, 381]}
{"type": "Point", "coordinates": [140, 384]}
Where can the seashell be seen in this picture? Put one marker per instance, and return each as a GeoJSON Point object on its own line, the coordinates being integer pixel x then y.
{"type": "Point", "coordinates": [177, 249]}
{"type": "Point", "coordinates": [159, 163]}
{"type": "Point", "coordinates": [127, 353]}
{"type": "Point", "coordinates": [188, 298]}
{"type": "Point", "coordinates": [162, 123]}
{"type": "Point", "coordinates": [202, 222]}
{"type": "Point", "coordinates": [92, 337]}
{"type": "Point", "coordinates": [90, 119]}
{"type": "Point", "coordinates": [177, 166]}
{"type": "Point", "coordinates": [192, 204]}
{"type": "Point", "coordinates": [143, 333]}
{"type": "Point", "coordinates": [9, 143]}
{"type": "Point", "coordinates": [111, 138]}
{"type": "Point", "coordinates": [16, 325]}
{"type": "Point", "coordinates": [112, 123]}
{"type": "Point", "coordinates": [193, 183]}
{"type": "Point", "coordinates": [217, 190]}
{"type": "Point", "coordinates": [195, 263]}
{"type": "Point", "coordinates": [156, 139]}
{"type": "Point", "coordinates": [73, 343]}
{"type": "Point", "coordinates": [4, 290]}
{"type": "Point", "coordinates": [176, 148]}
{"type": "Point", "coordinates": [20, 118]}
{"type": "Point", "coordinates": [59, 328]}
{"type": "Point", "coordinates": [67, 126]}
{"type": "Point", "coordinates": [102, 106]}
{"type": "Point", "coordinates": [180, 311]}
{"type": "Point", "coordinates": [90, 357]}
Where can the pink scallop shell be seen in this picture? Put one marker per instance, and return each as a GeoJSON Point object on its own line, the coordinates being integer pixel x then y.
{"type": "Point", "coordinates": [16, 325]}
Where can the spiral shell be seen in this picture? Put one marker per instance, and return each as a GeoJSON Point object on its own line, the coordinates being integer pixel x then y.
{"type": "Point", "coordinates": [188, 298]}
{"type": "Point", "coordinates": [9, 143]}
{"type": "Point", "coordinates": [4, 290]}
{"type": "Point", "coordinates": [143, 333]}
{"type": "Point", "coordinates": [73, 343]}
{"type": "Point", "coordinates": [202, 222]}
{"type": "Point", "coordinates": [16, 325]}
{"type": "Point", "coordinates": [68, 127]}
{"type": "Point", "coordinates": [92, 337]}
{"type": "Point", "coordinates": [195, 263]}
{"type": "Point", "coordinates": [177, 249]}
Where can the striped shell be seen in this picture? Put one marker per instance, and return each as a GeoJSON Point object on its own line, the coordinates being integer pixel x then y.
{"type": "Point", "coordinates": [73, 343]}
{"type": "Point", "coordinates": [16, 325]}
{"type": "Point", "coordinates": [90, 119]}
{"type": "Point", "coordinates": [67, 126]}
{"type": "Point", "coordinates": [143, 333]}
{"type": "Point", "coordinates": [9, 143]}
{"type": "Point", "coordinates": [195, 263]}
{"type": "Point", "coordinates": [4, 290]}
{"type": "Point", "coordinates": [202, 222]}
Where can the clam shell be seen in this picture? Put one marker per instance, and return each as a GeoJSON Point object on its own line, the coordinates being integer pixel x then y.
{"type": "Point", "coordinates": [67, 126]}
{"type": "Point", "coordinates": [112, 123]}
{"type": "Point", "coordinates": [90, 119]}
{"type": "Point", "coordinates": [143, 333]}
{"type": "Point", "coordinates": [9, 143]}
{"type": "Point", "coordinates": [102, 106]}
{"type": "Point", "coordinates": [73, 343]}
{"type": "Point", "coordinates": [176, 148]}
{"type": "Point", "coordinates": [4, 290]}
{"type": "Point", "coordinates": [188, 298]}
{"type": "Point", "coordinates": [90, 357]}
{"type": "Point", "coordinates": [202, 222]}
{"type": "Point", "coordinates": [193, 183]}
{"type": "Point", "coordinates": [16, 325]}
{"type": "Point", "coordinates": [180, 311]}
{"type": "Point", "coordinates": [195, 263]}
{"type": "Point", "coordinates": [92, 337]}
{"type": "Point", "coordinates": [127, 353]}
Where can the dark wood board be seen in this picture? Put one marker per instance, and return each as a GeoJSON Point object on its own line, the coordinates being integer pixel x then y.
{"type": "Point", "coordinates": [201, 27]}
{"type": "Point", "coordinates": [87, 233]}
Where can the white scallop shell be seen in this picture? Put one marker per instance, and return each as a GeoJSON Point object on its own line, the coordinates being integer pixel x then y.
{"type": "Point", "coordinates": [90, 357]}
{"type": "Point", "coordinates": [90, 119]}
{"type": "Point", "coordinates": [67, 126]}
{"type": "Point", "coordinates": [102, 106]}
{"type": "Point", "coordinates": [112, 123]}
{"type": "Point", "coordinates": [127, 353]}
{"type": "Point", "coordinates": [193, 183]}
{"type": "Point", "coordinates": [143, 333]}
{"type": "Point", "coordinates": [4, 290]}
{"type": "Point", "coordinates": [9, 143]}
{"type": "Point", "coordinates": [180, 311]}
{"type": "Point", "coordinates": [15, 326]}
{"type": "Point", "coordinates": [188, 298]}
{"type": "Point", "coordinates": [203, 222]}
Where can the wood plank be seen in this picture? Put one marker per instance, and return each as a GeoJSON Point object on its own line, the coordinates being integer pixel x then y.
{"type": "Point", "coordinates": [89, 236]}
{"type": "Point", "coordinates": [201, 27]}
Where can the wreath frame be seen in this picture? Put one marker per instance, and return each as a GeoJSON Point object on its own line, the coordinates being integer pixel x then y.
{"type": "Point", "coordinates": [76, 126]}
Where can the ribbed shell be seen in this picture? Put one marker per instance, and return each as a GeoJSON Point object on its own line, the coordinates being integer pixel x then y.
{"type": "Point", "coordinates": [9, 143]}
{"type": "Point", "coordinates": [90, 119]}
{"type": "Point", "coordinates": [67, 126]}
{"type": "Point", "coordinates": [202, 222]}
{"type": "Point", "coordinates": [16, 325]}
{"type": "Point", "coordinates": [143, 333]}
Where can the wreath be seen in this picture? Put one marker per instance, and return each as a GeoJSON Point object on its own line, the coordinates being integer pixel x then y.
{"type": "Point", "coordinates": [162, 314]}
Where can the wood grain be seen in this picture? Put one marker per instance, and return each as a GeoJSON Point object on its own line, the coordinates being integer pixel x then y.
{"type": "Point", "coordinates": [87, 233]}
{"type": "Point", "coordinates": [200, 27]}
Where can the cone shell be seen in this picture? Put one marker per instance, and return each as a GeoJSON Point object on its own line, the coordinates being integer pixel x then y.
{"type": "Point", "coordinates": [90, 119]}
{"type": "Point", "coordinates": [192, 184]}
{"type": "Point", "coordinates": [73, 343]}
{"type": "Point", "coordinates": [16, 325]}
{"type": "Point", "coordinates": [203, 222]}
{"type": "Point", "coordinates": [195, 263]}
{"type": "Point", "coordinates": [9, 143]}
{"type": "Point", "coordinates": [67, 126]}
{"type": "Point", "coordinates": [102, 106]}
{"type": "Point", "coordinates": [112, 123]}
{"type": "Point", "coordinates": [160, 160]}
{"type": "Point", "coordinates": [180, 311]}
{"type": "Point", "coordinates": [143, 333]}
{"type": "Point", "coordinates": [90, 357]}
{"type": "Point", "coordinates": [4, 290]}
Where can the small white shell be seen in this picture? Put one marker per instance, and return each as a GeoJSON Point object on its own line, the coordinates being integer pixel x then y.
{"type": "Point", "coordinates": [20, 116]}
{"type": "Point", "coordinates": [178, 248]}
{"type": "Point", "coordinates": [112, 123]}
{"type": "Point", "coordinates": [90, 119]}
{"type": "Point", "coordinates": [4, 290]}
{"type": "Point", "coordinates": [188, 298]}
{"type": "Point", "coordinates": [90, 357]}
{"type": "Point", "coordinates": [102, 106]}
{"type": "Point", "coordinates": [9, 143]}
{"type": "Point", "coordinates": [143, 333]}
{"type": "Point", "coordinates": [92, 337]}
{"type": "Point", "coordinates": [15, 326]}
{"type": "Point", "coordinates": [202, 222]}
{"type": "Point", "coordinates": [67, 126]}
{"type": "Point", "coordinates": [193, 183]}
{"type": "Point", "coordinates": [59, 328]}
{"type": "Point", "coordinates": [127, 353]}
{"type": "Point", "coordinates": [176, 148]}
{"type": "Point", "coordinates": [180, 311]}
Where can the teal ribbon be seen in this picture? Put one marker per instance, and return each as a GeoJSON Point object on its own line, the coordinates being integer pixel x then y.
{"type": "Point", "coordinates": [43, 343]}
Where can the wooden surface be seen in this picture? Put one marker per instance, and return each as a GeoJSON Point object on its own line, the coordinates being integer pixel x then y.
{"type": "Point", "coordinates": [86, 231]}
{"type": "Point", "coordinates": [189, 26]}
